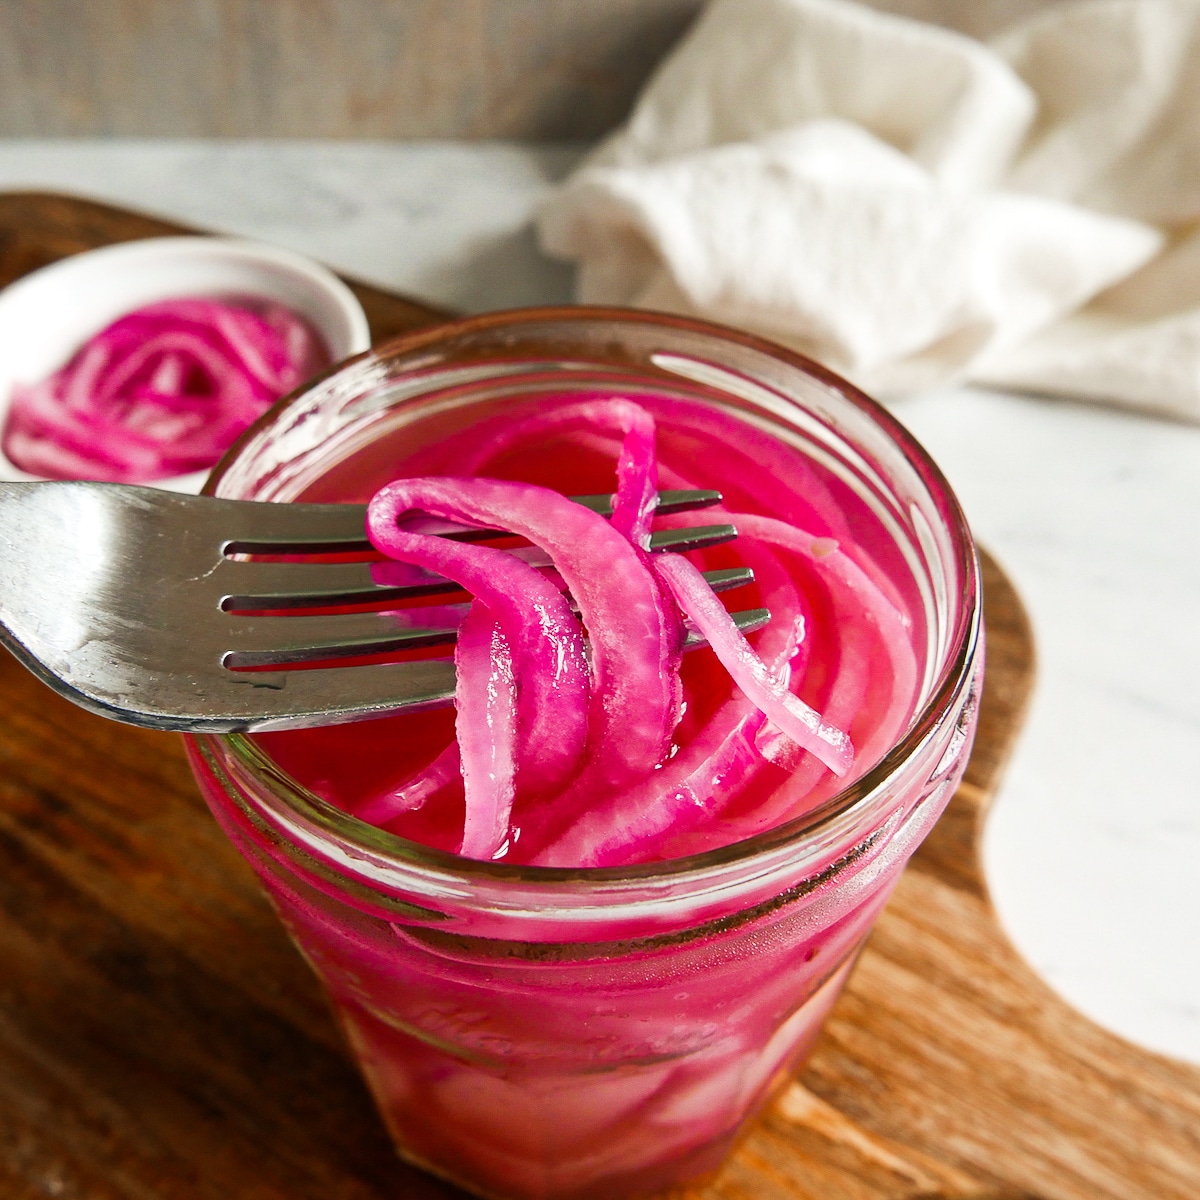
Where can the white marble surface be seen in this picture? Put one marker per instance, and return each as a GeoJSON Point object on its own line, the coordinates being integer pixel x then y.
{"type": "Point", "coordinates": [1093, 846]}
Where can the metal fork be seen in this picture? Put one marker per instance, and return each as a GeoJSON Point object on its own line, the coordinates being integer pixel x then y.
{"type": "Point", "coordinates": [130, 602]}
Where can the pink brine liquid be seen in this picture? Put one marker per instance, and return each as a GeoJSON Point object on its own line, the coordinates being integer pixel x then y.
{"type": "Point", "coordinates": [541, 1054]}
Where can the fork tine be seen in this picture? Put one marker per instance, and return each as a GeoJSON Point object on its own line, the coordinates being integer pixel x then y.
{"type": "Point", "coordinates": [747, 621]}
{"type": "Point", "coordinates": [269, 586]}
{"type": "Point", "coordinates": [290, 640]}
{"type": "Point", "coordinates": [338, 528]}
{"type": "Point", "coordinates": [250, 527]}
{"type": "Point", "coordinates": [727, 580]}
{"type": "Point", "coordinates": [695, 538]}
{"type": "Point", "coordinates": [339, 694]}
{"type": "Point", "coordinates": [273, 641]}
{"type": "Point", "coordinates": [264, 586]}
{"type": "Point", "coordinates": [668, 501]}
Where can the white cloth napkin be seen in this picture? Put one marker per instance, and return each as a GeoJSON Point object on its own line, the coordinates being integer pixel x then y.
{"type": "Point", "coordinates": [912, 206]}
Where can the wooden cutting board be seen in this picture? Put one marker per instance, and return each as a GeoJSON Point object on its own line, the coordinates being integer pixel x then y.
{"type": "Point", "coordinates": [161, 1038]}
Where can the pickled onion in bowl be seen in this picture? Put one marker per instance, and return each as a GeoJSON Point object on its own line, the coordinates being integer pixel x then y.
{"type": "Point", "coordinates": [163, 391]}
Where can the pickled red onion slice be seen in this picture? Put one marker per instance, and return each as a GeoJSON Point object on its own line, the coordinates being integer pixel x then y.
{"type": "Point", "coordinates": [784, 710]}
{"type": "Point", "coordinates": [486, 730]}
{"type": "Point", "coordinates": [872, 688]}
{"type": "Point", "coordinates": [859, 599]}
{"type": "Point", "coordinates": [691, 788]}
{"type": "Point", "coordinates": [415, 791]}
{"type": "Point", "coordinates": [542, 634]}
{"type": "Point", "coordinates": [637, 474]}
{"type": "Point", "coordinates": [162, 391]}
{"type": "Point", "coordinates": [637, 469]}
{"type": "Point", "coordinates": [634, 638]}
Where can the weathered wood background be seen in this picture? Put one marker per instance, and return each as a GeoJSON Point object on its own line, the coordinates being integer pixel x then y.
{"type": "Point", "coordinates": [351, 68]}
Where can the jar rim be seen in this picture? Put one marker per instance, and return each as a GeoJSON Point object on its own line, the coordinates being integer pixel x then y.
{"type": "Point", "coordinates": [360, 838]}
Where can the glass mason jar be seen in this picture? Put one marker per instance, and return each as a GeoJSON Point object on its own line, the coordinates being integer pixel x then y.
{"type": "Point", "coordinates": [538, 1032]}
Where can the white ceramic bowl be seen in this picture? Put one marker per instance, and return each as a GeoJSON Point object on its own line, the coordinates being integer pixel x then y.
{"type": "Point", "coordinates": [47, 315]}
